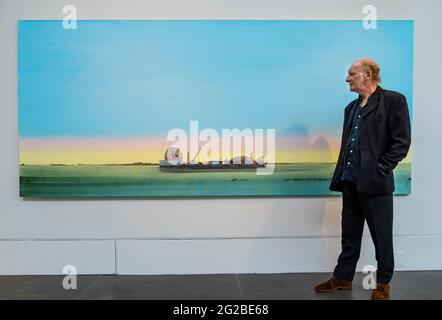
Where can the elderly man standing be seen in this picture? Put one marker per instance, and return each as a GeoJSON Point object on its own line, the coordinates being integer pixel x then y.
{"type": "Point", "coordinates": [376, 136]}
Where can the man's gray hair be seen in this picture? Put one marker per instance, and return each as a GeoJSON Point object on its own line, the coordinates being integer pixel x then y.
{"type": "Point", "coordinates": [371, 65]}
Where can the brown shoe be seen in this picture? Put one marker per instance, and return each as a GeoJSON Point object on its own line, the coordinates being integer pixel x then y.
{"type": "Point", "coordinates": [382, 292]}
{"type": "Point", "coordinates": [333, 284]}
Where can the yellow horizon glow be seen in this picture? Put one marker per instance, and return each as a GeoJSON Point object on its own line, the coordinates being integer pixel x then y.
{"type": "Point", "coordinates": [31, 154]}
{"type": "Point", "coordinates": [73, 157]}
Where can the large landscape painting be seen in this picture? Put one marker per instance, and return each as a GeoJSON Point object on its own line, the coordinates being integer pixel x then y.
{"type": "Point", "coordinates": [194, 108]}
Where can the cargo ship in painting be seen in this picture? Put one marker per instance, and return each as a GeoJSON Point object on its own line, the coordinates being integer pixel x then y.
{"type": "Point", "coordinates": [173, 162]}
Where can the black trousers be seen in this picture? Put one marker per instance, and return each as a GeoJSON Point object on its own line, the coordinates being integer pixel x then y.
{"type": "Point", "coordinates": [377, 210]}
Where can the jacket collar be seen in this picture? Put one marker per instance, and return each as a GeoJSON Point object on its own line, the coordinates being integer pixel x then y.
{"type": "Point", "coordinates": [372, 103]}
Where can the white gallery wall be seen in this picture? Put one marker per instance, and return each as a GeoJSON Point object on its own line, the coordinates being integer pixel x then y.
{"type": "Point", "coordinates": [216, 235]}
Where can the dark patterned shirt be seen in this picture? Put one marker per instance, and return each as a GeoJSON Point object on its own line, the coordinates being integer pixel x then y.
{"type": "Point", "coordinates": [352, 153]}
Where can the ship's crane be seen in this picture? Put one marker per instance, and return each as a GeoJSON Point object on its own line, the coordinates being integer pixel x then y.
{"type": "Point", "coordinates": [196, 155]}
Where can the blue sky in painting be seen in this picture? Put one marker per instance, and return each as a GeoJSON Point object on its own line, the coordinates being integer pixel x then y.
{"type": "Point", "coordinates": [132, 78]}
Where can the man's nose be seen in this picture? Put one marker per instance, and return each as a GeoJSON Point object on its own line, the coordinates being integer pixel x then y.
{"type": "Point", "coordinates": [347, 79]}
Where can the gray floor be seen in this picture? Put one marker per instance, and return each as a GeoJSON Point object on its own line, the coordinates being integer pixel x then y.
{"type": "Point", "coordinates": [405, 285]}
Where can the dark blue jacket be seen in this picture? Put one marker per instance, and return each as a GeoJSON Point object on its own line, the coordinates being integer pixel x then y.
{"type": "Point", "coordinates": [385, 137]}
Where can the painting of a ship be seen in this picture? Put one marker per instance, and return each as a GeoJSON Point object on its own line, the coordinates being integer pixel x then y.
{"type": "Point", "coordinates": [121, 108]}
{"type": "Point", "coordinates": [173, 162]}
